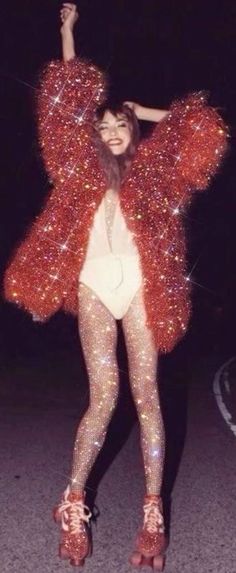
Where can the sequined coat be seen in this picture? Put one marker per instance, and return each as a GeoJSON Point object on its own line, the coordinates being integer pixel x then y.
{"type": "Point", "coordinates": [180, 156]}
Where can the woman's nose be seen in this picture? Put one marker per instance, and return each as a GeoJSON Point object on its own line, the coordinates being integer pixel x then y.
{"type": "Point", "coordinates": [113, 130]}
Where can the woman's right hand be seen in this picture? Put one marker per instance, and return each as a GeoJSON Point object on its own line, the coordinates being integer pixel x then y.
{"type": "Point", "coordinates": [69, 16]}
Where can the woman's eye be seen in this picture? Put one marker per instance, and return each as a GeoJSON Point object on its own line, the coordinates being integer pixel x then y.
{"type": "Point", "coordinates": [102, 128]}
{"type": "Point", "coordinates": [123, 124]}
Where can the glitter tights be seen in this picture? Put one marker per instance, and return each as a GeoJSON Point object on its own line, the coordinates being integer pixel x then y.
{"type": "Point", "coordinates": [98, 333]}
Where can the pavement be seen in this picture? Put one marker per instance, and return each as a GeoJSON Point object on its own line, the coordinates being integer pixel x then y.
{"type": "Point", "coordinates": [42, 399]}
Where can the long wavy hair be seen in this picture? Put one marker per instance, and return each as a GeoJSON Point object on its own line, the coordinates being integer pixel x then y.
{"type": "Point", "coordinates": [116, 166]}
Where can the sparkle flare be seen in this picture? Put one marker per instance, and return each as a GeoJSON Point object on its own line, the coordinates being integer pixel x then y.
{"type": "Point", "coordinates": [180, 156]}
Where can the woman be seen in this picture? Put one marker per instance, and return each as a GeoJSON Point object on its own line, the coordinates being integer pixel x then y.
{"type": "Point", "coordinates": [109, 244]}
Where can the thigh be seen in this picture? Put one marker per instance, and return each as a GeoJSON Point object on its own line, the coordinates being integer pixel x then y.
{"type": "Point", "coordinates": [138, 336]}
{"type": "Point", "coordinates": [141, 350]}
{"type": "Point", "coordinates": [97, 330]}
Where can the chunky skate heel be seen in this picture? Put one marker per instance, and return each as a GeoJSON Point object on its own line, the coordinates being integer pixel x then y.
{"type": "Point", "coordinates": [56, 515]}
{"type": "Point", "coordinates": [151, 542]}
{"type": "Point", "coordinates": [64, 554]}
{"type": "Point", "coordinates": [157, 562]}
{"type": "Point", "coordinates": [74, 516]}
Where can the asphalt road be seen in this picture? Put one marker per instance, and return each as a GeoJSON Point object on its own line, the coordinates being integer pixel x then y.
{"type": "Point", "coordinates": [41, 402]}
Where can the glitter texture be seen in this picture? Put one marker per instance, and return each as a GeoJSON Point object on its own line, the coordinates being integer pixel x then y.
{"type": "Point", "coordinates": [110, 207]}
{"type": "Point", "coordinates": [181, 155]}
{"type": "Point", "coordinates": [74, 517]}
{"type": "Point", "coordinates": [151, 539]}
{"type": "Point", "coordinates": [98, 334]}
{"type": "Point", "coordinates": [142, 361]}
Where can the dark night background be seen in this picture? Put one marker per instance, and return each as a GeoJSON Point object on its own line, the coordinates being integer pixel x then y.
{"type": "Point", "coordinates": [154, 50]}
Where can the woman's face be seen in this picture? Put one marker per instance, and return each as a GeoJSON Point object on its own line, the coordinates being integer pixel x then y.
{"type": "Point", "coordinates": [115, 132]}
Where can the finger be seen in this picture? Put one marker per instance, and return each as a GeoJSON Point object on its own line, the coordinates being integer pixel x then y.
{"type": "Point", "coordinates": [66, 9]}
{"type": "Point", "coordinates": [69, 6]}
{"type": "Point", "coordinates": [66, 13]}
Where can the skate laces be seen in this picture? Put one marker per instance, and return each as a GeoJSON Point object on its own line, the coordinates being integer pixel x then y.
{"type": "Point", "coordinates": [153, 520]}
{"type": "Point", "coordinates": [74, 514]}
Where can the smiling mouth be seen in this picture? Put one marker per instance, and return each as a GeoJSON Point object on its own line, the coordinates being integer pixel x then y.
{"type": "Point", "coordinates": [114, 141]}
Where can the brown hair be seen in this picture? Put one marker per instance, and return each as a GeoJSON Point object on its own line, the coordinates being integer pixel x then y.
{"type": "Point", "coordinates": [116, 167]}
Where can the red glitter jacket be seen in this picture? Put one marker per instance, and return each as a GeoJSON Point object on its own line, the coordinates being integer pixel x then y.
{"type": "Point", "coordinates": [182, 153]}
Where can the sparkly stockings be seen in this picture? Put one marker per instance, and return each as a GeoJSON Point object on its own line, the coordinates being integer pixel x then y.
{"type": "Point", "coordinates": [98, 333]}
{"type": "Point", "coordinates": [142, 359]}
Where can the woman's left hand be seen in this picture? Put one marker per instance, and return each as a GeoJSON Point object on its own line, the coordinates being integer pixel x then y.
{"type": "Point", "coordinates": [147, 113]}
{"type": "Point", "coordinates": [136, 108]}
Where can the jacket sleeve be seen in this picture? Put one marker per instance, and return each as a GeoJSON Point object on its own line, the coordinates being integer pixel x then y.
{"type": "Point", "coordinates": [44, 265]}
{"type": "Point", "coordinates": [68, 95]}
{"type": "Point", "coordinates": [39, 273]}
{"type": "Point", "coordinates": [187, 147]}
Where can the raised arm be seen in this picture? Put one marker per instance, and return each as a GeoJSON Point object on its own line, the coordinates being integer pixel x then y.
{"type": "Point", "coordinates": [147, 113]}
{"type": "Point", "coordinates": [43, 270]}
{"type": "Point", "coordinates": [69, 92]}
{"type": "Point", "coordinates": [186, 145]}
{"type": "Point", "coordinates": [69, 17]}
{"type": "Point", "coordinates": [198, 139]}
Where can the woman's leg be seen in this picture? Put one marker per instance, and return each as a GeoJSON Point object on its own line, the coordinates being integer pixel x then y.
{"type": "Point", "coordinates": [142, 358]}
{"type": "Point", "coordinates": [98, 333]}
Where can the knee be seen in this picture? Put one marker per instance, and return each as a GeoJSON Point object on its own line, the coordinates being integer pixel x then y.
{"type": "Point", "coordinates": [147, 403]}
{"type": "Point", "coordinates": [102, 404]}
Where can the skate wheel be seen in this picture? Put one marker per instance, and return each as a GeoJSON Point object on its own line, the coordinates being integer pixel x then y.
{"type": "Point", "coordinates": [158, 562]}
{"type": "Point", "coordinates": [56, 516]}
{"type": "Point", "coordinates": [75, 563]}
{"type": "Point", "coordinates": [136, 559]}
{"type": "Point", "coordinates": [63, 554]}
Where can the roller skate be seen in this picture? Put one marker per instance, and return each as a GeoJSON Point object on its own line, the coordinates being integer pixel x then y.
{"type": "Point", "coordinates": [150, 541]}
{"type": "Point", "coordinates": [74, 516]}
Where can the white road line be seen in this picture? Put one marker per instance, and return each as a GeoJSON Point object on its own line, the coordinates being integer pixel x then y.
{"type": "Point", "coordinates": [218, 393]}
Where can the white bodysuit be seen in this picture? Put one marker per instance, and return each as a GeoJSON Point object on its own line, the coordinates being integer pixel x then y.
{"type": "Point", "coordinates": [112, 266]}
